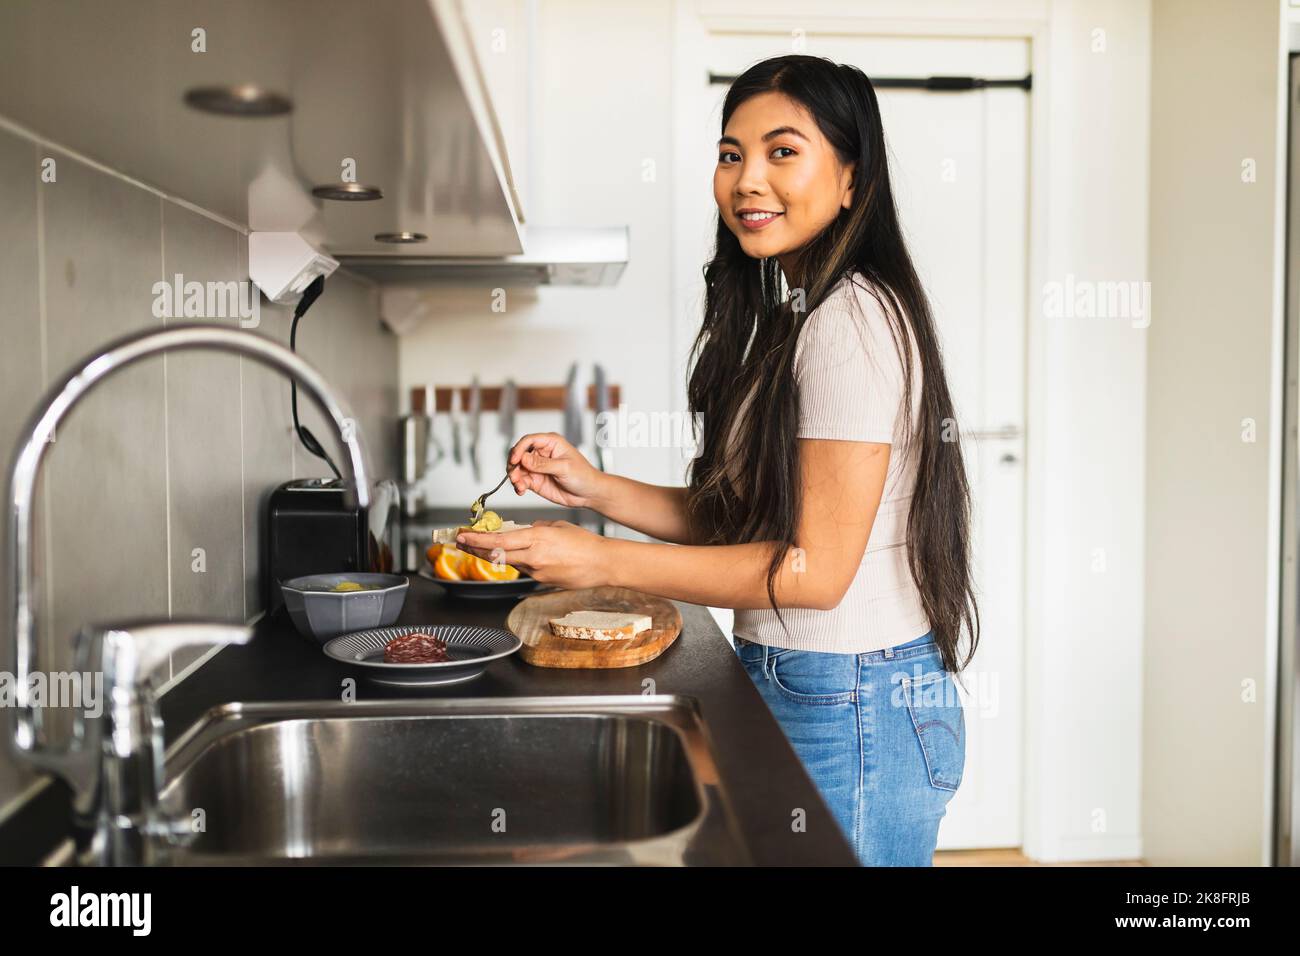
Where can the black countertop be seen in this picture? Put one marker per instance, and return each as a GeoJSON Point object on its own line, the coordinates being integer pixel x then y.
{"type": "Point", "coordinates": [761, 775]}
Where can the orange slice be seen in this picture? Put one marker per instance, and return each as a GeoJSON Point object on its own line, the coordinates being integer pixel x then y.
{"type": "Point", "coordinates": [448, 564]}
{"type": "Point", "coordinates": [481, 570]}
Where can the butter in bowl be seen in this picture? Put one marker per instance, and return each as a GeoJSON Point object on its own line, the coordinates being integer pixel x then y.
{"type": "Point", "coordinates": [323, 606]}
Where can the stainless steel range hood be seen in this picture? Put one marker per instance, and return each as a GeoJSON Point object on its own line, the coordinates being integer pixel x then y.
{"type": "Point", "coordinates": [551, 256]}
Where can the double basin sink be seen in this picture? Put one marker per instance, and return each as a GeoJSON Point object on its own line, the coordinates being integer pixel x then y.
{"type": "Point", "coordinates": [590, 780]}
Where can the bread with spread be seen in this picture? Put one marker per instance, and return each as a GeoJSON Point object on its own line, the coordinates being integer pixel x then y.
{"type": "Point", "coordinates": [600, 625]}
{"type": "Point", "coordinates": [489, 521]}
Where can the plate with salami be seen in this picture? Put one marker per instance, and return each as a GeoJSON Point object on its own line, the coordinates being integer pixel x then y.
{"type": "Point", "coordinates": [423, 655]}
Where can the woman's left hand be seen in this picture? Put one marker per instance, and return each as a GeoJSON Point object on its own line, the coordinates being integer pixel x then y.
{"type": "Point", "coordinates": [552, 552]}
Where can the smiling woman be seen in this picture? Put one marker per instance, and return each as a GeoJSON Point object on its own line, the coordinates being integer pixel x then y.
{"type": "Point", "coordinates": [828, 504]}
{"type": "Point", "coordinates": [776, 187]}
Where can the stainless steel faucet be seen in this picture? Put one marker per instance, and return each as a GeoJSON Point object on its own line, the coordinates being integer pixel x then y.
{"type": "Point", "coordinates": [113, 761]}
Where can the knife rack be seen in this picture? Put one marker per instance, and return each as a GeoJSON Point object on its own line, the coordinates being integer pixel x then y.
{"type": "Point", "coordinates": [531, 398]}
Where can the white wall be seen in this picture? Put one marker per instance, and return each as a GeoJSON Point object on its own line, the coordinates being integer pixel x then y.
{"type": "Point", "coordinates": [1087, 434]}
{"type": "Point", "coordinates": [1218, 72]}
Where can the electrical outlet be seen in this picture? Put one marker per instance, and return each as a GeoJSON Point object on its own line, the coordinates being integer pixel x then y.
{"type": "Point", "coordinates": [283, 264]}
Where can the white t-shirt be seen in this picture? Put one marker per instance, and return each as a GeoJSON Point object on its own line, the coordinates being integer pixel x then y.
{"type": "Point", "coordinates": [851, 389]}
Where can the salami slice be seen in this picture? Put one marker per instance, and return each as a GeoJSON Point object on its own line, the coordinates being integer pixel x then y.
{"type": "Point", "coordinates": [417, 648]}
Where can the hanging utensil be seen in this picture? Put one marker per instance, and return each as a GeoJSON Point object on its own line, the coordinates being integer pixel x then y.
{"type": "Point", "coordinates": [455, 425]}
{"type": "Point", "coordinates": [602, 403]}
{"type": "Point", "coordinates": [414, 432]}
{"type": "Point", "coordinates": [475, 418]}
{"type": "Point", "coordinates": [572, 408]}
{"type": "Point", "coordinates": [506, 414]}
{"type": "Point", "coordinates": [436, 451]}
{"type": "Point", "coordinates": [600, 434]}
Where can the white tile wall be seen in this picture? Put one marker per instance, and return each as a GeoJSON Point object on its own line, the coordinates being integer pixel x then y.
{"type": "Point", "coordinates": [173, 455]}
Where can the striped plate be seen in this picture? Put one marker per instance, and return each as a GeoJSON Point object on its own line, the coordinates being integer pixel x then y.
{"type": "Point", "coordinates": [471, 649]}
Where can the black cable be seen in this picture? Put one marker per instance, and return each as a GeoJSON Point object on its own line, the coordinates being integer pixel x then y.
{"type": "Point", "coordinates": [308, 440]}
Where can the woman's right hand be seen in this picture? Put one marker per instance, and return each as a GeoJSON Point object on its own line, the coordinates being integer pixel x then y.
{"type": "Point", "coordinates": [547, 464]}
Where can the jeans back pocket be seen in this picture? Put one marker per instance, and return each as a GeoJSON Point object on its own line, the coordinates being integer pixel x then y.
{"type": "Point", "coordinates": [940, 724]}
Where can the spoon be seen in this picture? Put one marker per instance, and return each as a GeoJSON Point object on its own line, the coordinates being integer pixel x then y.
{"type": "Point", "coordinates": [480, 503]}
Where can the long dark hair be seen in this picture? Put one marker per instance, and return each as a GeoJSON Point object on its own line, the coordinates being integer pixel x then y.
{"type": "Point", "coordinates": [748, 341]}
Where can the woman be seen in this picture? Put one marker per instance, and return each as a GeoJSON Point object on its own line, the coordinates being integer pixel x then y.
{"type": "Point", "coordinates": [834, 517]}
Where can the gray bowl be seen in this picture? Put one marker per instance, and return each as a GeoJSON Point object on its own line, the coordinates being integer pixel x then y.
{"type": "Point", "coordinates": [321, 614]}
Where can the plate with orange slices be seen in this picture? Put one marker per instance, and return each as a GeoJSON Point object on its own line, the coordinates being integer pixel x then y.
{"type": "Point", "coordinates": [469, 576]}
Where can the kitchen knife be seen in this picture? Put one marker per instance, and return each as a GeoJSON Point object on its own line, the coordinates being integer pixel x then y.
{"type": "Point", "coordinates": [455, 425]}
{"type": "Point", "coordinates": [436, 451]}
{"type": "Point", "coordinates": [506, 414]}
{"type": "Point", "coordinates": [602, 403]}
{"type": "Point", "coordinates": [572, 408]}
{"type": "Point", "coordinates": [600, 434]}
{"type": "Point", "coordinates": [475, 414]}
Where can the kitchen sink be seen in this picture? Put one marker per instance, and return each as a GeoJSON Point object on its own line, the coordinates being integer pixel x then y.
{"type": "Point", "coordinates": [611, 779]}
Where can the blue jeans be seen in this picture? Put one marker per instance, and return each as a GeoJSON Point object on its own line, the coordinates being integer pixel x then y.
{"type": "Point", "coordinates": [882, 735]}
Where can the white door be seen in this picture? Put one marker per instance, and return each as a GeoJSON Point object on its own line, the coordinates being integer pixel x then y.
{"type": "Point", "coordinates": [959, 163]}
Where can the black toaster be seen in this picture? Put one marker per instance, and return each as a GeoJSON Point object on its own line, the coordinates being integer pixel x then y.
{"type": "Point", "coordinates": [312, 530]}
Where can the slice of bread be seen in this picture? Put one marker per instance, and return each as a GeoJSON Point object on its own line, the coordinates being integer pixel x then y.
{"type": "Point", "coordinates": [448, 535]}
{"type": "Point", "coordinates": [600, 625]}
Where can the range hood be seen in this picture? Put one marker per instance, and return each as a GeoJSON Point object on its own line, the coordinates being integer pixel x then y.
{"type": "Point", "coordinates": [551, 256]}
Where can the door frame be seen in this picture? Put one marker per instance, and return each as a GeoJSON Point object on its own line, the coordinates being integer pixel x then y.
{"type": "Point", "coordinates": [1038, 828]}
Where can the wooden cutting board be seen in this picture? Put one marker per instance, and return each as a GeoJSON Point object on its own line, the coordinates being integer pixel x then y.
{"type": "Point", "coordinates": [530, 622]}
